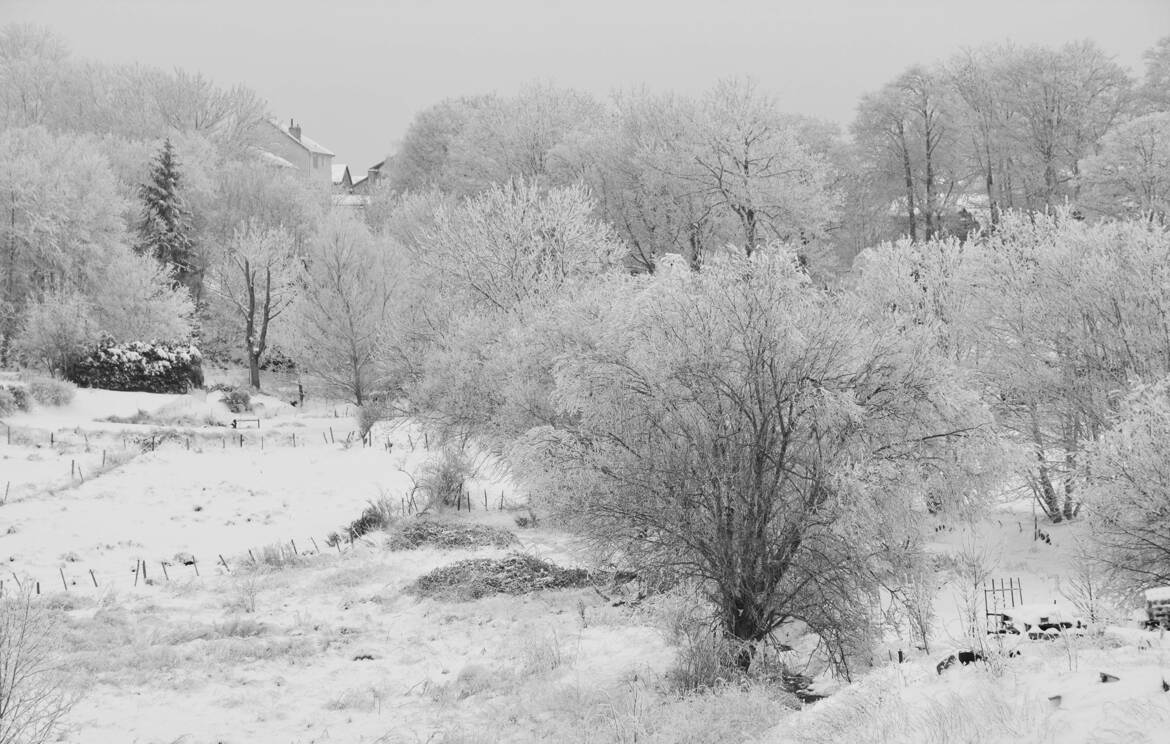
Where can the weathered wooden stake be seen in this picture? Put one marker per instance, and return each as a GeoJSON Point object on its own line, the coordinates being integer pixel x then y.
{"type": "Point", "coordinates": [93, 577]}
{"type": "Point", "coordinates": [166, 575]}
{"type": "Point", "coordinates": [331, 439]}
{"type": "Point", "coordinates": [251, 556]}
{"type": "Point", "coordinates": [64, 583]}
{"type": "Point", "coordinates": [137, 565]}
{"type": "Point", "coordinates": [294, 546]}
{"type": "Point", "coordinates": [103, 458]}
{"type": "Point", "coordinates": [195, 565]}
{"type": "Point", "coordinates": [225, 565]}
{"type": "Point", "coordinates": [315, 548]}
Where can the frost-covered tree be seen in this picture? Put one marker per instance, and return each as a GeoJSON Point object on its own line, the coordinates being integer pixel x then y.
{"type": "Point", "coordinates": [739, 426]}
{"type": "Point", "coordinates": [481, 275]}
{"type": "Point", "coordinates": [59, 216]}
{"type": "Point", "coordinates": [255, 280]}
{"type": "Point", "coordinates": [164, 230]}
{"type": "Point", "coordinates": [1128, 490]}
{"type": "Point", "coordinates": [1155, 90]}
{"type": "Point", "coordinates": [338, 322]}
{"type": "Point", "coordinates": [908, 135]}
{"type": "Point", "coordinates": [1130, 176]}
{"type": "Point", "coordinates": [130, 298]}
{"type": "Point", "coordinates": [1052, 315]}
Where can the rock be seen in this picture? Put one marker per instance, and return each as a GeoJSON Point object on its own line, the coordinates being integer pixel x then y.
{"type": "Point", "coordinates": [1105, 678]}
{"type": "Point", "coordinates": [184, 559]}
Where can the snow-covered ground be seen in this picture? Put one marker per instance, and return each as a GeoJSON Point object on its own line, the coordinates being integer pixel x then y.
{"type": "Point", "coordinates": [332, 650]}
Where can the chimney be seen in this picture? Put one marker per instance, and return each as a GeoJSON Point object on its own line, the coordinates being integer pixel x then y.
{"type": "Point", "coordinates": [294, 130]}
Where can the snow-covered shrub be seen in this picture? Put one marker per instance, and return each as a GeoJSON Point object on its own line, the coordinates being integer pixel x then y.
{"type": "Point", "coordinates": [482, 577]}
{"type": "Point", "coordinates": [50, 392]}
{"type": "Point", "coordinates": [238, 400]}
{"type": "Point", "coordinates": [417, 533]}
{"type": "Point", "coordinates": [7, 402]}
{"type": "Point", "coordinates": [14, 398]}
{"type": "Point", "coordinates": [378, 515]}
{"type": "Point", "coordinates": [443, 479]}
{"type": "Point", "coordinates": [140, 367]}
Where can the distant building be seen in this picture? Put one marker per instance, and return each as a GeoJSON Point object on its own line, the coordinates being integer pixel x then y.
{"type": "Point", "coordinates": [366, 183]}
{"type": "Point", "coordinates": [342, 183]}
{"type": "Point", "coordinates": [285, 144]}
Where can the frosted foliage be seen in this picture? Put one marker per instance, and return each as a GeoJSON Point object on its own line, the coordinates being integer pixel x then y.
{"type": "Point", "coordinates": [340, 316]}
{"type": "Point", "coordinates": [739, 425]}
{"type": "Point", "coordinates": [515, 242]}
{"type": "Point", "coordinates": [1129, 487]}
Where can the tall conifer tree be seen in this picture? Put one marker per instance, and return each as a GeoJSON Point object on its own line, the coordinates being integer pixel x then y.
{"type": "Point", "coordinates": [165, 228]}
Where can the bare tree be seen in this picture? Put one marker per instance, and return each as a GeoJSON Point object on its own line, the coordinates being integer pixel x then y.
{"type": "Point", "coordinates": [33, 699]}
{"type": "Point", "coordinates": [340, 315]}
{"type": "Point", "coordinates": [255, 278]}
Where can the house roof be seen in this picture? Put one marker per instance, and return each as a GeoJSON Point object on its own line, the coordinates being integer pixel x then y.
{"type": "Point", "coordinates": [340, 170]}
{"type": "Point", "coordinates": [357, 181]}
{"type": "Point", "coordinates": [303, 141]}
{"type": "Point", "coordinates": [274, 159]}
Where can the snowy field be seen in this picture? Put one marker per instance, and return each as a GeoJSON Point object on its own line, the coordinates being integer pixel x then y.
{"type": "Point", "coordinates": [330, 649]}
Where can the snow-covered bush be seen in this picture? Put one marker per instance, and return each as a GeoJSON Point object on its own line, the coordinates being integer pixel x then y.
{"type": "Point", "coordinates": [14, 398]}
{"type": "Point", "coordinates": [238, 400]}
{"type": "Point", "coordinates": [443, 479]}
{"type": "Point", "coordinates": [50, 392]}
{"type": "Point", "coordinates": [140, 367]}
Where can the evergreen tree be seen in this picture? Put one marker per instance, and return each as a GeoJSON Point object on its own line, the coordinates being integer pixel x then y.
{"type": "Point", "coordinates": [165, 229]}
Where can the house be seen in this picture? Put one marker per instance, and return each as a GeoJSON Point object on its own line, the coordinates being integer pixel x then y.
{"type": "Point", "coordinates": [286, 142]}
{"type": "Point", "coordinates": [366, 183]}
{"type": "Point", "coordinates": [342, 182]}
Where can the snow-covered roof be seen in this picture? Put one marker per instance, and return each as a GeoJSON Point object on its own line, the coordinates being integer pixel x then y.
{"type": "Point", "coordinates": [356, 181]}
{"type": "Point", "coordinates": [1158, 594]}
{"type": "Point", "coordinates": [303, 141]}
{"type": "Point", "coordinates": [273, 159]}
{"type": "Point", "coordinates": [339, 171]}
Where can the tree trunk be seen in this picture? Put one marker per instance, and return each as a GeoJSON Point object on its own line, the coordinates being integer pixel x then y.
{"type": "Point", "coordinates": [931, 226]}
{"type": "Point", "coordinates": [254, 368]}
{"type": "Point", "coordinates": [1049, 501]}
{"type": "Point", "coordinates": [909, 183]}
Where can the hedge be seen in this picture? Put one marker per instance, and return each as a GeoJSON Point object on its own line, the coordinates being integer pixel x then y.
{"type": "Point", "coordinates": [140, 367]}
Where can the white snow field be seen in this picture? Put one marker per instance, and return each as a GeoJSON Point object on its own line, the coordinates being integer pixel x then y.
{"type": "Point", "coordinates": [326, 647]}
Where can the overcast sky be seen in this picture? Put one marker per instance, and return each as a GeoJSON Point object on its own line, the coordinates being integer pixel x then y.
{"type": "Point", "coordinates": [354, 72]}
